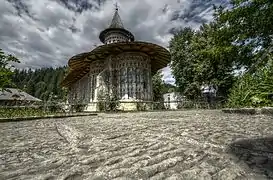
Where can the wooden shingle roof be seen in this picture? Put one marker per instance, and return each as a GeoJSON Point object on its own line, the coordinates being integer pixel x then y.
{"type": "Point", "coordinates": [11, 94]}
{"type": "Point", "coordinates": [80, 64]}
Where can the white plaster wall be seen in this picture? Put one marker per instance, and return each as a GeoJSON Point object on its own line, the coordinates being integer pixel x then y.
{"type": "Point", "coordinates": [170, 98]}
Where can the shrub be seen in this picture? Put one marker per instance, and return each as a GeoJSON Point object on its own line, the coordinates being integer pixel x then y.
{"type": "Point", "coordinates": [253, 90]}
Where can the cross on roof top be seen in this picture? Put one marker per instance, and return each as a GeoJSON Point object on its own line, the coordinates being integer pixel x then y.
{"type": "Point", "coordinates": [116, 21]}
{"type": "Point", "coordinates": [116, 6]}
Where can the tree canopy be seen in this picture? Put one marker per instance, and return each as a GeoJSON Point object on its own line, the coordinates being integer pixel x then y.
{"type": "Point", "coordinates": [238, 39]}
{"type": "Point", "coordinates": [249, 22]}
{"type": "Point", "coordinates": [160, 87]}
{"type": "Point", "coordinates": [199, 56]}
{"type": "Point", "coordinates": [5, 69]}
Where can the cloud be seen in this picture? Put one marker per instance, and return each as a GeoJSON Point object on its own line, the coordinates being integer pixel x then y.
{"type": "Point", "coordinates": [48, 32]}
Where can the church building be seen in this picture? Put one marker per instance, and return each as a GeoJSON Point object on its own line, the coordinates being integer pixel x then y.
{"type": "Point", "coordinates": [120, 70]}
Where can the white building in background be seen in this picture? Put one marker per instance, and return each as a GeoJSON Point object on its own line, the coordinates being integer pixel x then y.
{"type": "Point", "coordinates": [172, 100]}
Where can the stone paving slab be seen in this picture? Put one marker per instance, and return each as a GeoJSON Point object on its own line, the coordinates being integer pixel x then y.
{"type": "Point", "coordinates": [147, 145]}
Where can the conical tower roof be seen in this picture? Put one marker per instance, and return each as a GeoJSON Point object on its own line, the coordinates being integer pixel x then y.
{"type": "Point", "coordinates": [116, 21]}
{"type": "Point", "coordinates": [116, 24]}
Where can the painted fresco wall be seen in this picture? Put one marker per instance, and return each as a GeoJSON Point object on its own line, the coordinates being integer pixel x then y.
{"type": "Point", "coordinates": [126, 76]}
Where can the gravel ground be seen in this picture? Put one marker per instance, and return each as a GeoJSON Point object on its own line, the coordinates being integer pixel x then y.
{"type": "Point", "coordinates": [146, 145]}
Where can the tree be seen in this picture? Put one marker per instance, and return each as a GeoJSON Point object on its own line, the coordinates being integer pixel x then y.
{"type": "Point", "coordinates": [199, 56]}
{"type": "Point", "coordinates": [5, 69]}
{"type": "Point", "coordinates": [169, 88]}
{"type": "Point", "coordinates": [158, 86]}
{"type": "Point", "coordinates": [182, 58]}
{"type": "Point", "coordinates": [236, 39]}
{"type": "Point", "coordinates": [250, 24]}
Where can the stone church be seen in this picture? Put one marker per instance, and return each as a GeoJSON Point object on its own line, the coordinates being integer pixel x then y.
{"type": "Point", "coordinates": [120, 70]}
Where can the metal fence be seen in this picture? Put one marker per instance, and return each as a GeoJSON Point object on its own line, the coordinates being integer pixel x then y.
{"type": "Point", "coordinates": [159, 105]}
{"type": "Point", "coordinates": [104, 106]}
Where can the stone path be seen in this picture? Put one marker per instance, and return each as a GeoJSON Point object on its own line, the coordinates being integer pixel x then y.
{"type": "Point", "coordinates": [148, 145]}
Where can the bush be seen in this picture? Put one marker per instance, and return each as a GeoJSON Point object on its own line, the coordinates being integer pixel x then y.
{"type": "Point", "coordinates": [253, 90]}
{"type": "Point", "coordinates": [141, 106]}
{"type": "Point", "coordinates": [78, 107]}
{"type": "Point", "coordinates": [10, 112]}
{"type": "Point", "coordinates": [158, 106]}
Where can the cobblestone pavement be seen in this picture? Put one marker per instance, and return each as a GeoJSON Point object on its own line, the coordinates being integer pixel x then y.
{"type": "Point", "coordinates": [146, 145]}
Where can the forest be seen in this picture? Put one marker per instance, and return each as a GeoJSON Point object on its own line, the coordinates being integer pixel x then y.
{"type": "Point", "coordinates": [233, 51]}
{"type": "Point", "coordinates": [42, 83]}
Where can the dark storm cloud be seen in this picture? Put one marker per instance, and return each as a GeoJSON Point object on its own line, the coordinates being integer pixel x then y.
{"type": "Point", "coordinates": [196, 12]}
{"type": "Point", "coordinates": [81, 5]}
{"type": "Point", "coordinates": [20, 7]}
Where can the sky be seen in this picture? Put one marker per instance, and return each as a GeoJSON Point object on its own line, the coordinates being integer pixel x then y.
{"type": "Point", "coordinates": [46, 33]}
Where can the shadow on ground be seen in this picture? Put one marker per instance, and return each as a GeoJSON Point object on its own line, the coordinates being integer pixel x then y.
{"type": "Point", "coordinates": [256, 153]}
